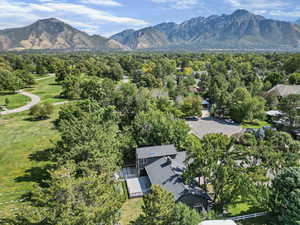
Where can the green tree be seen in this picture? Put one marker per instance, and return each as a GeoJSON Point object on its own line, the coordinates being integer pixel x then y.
{"type": "Point", "coordinates": [285, 199]}
{"type": "Point", "coordinates": [158, 208]}
{"type": "Point", "coordinates": [70, 200]}
{"type": "Point", "coordinates": [8, 81]}
{"type": "Point", "coordinates": [294, 78]}
{"type": "Point", "coordinates": [184, 215]}
{"type": "Point", "coordinates": [244, 107]}
{"type": "Point", "coordinates": [90, 136]}
{"type": "Point", "coordinates": [41, 112]}
{"type": "Point", "coordinates": [191, 106]}
{"type": "Point", "coordinates": [218, 156]}
{"type": "Point", "coordinates": [290, 105]}
{"type": "Point", "coordinates": [156, 128]}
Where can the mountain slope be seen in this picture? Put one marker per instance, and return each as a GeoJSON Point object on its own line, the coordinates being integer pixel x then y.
{"type": "Point", "coordinates": [52, 34]}
{"type": "Point", "coordinates": [241, 29]}
{"type": "Point", "coordinates": [298, 22]}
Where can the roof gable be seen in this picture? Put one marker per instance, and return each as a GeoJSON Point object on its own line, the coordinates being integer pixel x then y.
{"type": "Point", "coordinates": [285, 90]}
{"type": "Point", "coordinates": [156, 151]}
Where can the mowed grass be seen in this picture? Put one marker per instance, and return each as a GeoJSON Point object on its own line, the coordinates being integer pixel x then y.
{"type": "Point", "coordinates": [48, 90]}
{"type": "Point", "coordinates": [20, 139]}
{"type": "Point", "coordinates": [256, 124]}
{"type": "Point", "coordinates": [15, 100]}
{"type": "Point", "coordinates": [131, 210]}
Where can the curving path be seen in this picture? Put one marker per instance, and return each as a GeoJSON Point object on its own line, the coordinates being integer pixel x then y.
{"type": "Point", "coordinates": [34, 100]}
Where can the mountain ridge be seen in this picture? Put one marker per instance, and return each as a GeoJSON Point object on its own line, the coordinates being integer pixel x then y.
{"type": "Point", "coordinates": [52, 33]}
{"type": "Point", "coordinates": [241, 29]}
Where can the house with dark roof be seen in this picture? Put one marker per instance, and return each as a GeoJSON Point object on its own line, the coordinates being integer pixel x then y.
{"type": "Point", "coordinates": [164, 166]}
{"type": "Point", "coordinates": [281, 90]}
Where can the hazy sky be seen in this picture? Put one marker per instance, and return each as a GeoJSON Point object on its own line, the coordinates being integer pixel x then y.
{"type": "Point", "coordinates": [107, 17]}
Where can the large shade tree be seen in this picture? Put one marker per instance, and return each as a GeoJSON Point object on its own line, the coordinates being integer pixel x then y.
{"type": "Point", "coordinates": [285, 199]}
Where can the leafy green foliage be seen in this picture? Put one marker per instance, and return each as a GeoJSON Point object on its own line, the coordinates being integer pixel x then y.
{"type": "Point", "coordinates": [156, 128]}
{"type": "Point", "coordinates": [285, 199]}
{"type": "Point", "coordinates": [191, 106]}
{"type": "Point", "coordinates": [41, 112]}
{"type": "Point", "coordinates": [72, 200]}
{"type": "Point", "coordinates": [290, 105]}
{"type": "Point", "coordinates": [294, 79]}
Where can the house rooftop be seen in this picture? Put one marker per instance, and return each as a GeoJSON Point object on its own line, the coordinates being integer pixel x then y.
{"type": "Point", "coordinates": [285, 90]}
{"type": "Point", "coordinates": [155, 151]}
{"type": "Point", "coordinates": [167, 173]}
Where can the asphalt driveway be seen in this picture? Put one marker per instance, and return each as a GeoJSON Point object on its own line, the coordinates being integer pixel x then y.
{"type": "Point", "coordinates": [211, 125]}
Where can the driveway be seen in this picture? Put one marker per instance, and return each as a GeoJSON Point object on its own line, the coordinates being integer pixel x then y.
{"type": "Point", "coordinates": [34, 101]}
{"type": "Point", "coordinates": [211, 125]}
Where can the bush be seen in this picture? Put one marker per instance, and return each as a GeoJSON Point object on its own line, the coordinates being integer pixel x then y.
{"type": "Point", "coordinates": [41, 112]}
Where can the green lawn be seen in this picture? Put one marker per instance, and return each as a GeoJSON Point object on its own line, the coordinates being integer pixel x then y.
{"type": "Point", "coordinates": [19, 167]}
{"type": "Point", "coordinates": [131, 209]}
{"type": "Point", "coordinates": [48, 90]}
{"type": "Point", "coordinates": [22, 148]}
{"type": "Point", "coordinates": [256, 125]}
{"type": "Point", "coordinates": [15, 100]}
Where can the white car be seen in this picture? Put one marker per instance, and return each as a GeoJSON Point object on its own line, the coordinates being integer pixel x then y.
{"type": "Point", "coordinates": [230, 121]}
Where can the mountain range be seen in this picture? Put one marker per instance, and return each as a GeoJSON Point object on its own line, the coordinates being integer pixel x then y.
{"type": "Point", "coordinates": [53, 34]}
{"type": "Point", "coordinates": [240, 30]}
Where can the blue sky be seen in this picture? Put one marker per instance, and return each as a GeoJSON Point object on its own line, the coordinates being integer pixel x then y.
{"type": "Point", "coordinates": [107, 17]}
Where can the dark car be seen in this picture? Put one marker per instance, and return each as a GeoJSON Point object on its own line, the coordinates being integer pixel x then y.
{"type": "Point", "coordinates": [192, 118]}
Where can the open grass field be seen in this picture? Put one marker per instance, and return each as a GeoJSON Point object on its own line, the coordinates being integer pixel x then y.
{"type": "Point", "coordinates": [22, 143]}
{"type": "Point", "coordinates": [20, 167]}
{"type": "Point", "coordinates": [47, 90]}
{"type": "Point", "coordinates": [15, 100]}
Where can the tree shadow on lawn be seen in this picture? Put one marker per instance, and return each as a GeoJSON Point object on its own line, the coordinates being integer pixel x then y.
{"type": "Point", "coordinates": [38, 175]}
{"type": "Point", "coordinates": [42, 156]}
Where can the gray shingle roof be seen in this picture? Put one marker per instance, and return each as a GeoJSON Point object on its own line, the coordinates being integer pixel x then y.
{"type": "Point", "coordinates": [155, 151]}
{"type": "Point", "coordinates": [167, 173]}
{"type": "Point", "coordinates": [161, 173]}
{"type": "Point", "coordinates": [285, 90]}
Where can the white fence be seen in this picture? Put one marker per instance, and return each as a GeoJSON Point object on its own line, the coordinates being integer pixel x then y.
{"type": "Point", "coordinates": [248, 216]}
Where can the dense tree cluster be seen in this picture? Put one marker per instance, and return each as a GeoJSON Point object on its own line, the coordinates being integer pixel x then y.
{"type": "Point", "coordinates": [160, 208]}
{"type": "Point", "coordinates": [110, 118]}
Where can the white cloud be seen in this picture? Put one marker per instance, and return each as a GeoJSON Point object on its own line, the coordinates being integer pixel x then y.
{"type": "Point", "coordinates": [179, 4]}
{"type": "Point", "coordinates": [15, 14]}
{"type": "Point", "coordinates": [294, 13]}
{"type": "Point", "coordinates": [102, 2]}
{"type": "Point", "coordinates": [257, 4]}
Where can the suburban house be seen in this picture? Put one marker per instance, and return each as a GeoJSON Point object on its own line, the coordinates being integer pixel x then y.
{"type": "Point", "coordinates": [164, 166]}
{"type": "Point", "coordinates": [281, 90]}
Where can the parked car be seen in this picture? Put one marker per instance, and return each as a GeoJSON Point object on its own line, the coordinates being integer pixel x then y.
{"type": "Point", "coordinates": [229, 121]}
{"type": "Point", "coordinates": [192, 118]}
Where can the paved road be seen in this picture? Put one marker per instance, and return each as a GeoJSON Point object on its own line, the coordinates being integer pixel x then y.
{"type": "Point", "coordinates": [44, 78]}
{"type": "Point", "coordinates": [34, 100]}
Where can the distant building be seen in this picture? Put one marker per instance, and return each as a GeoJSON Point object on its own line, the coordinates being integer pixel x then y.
{"type": "Point", "coordinates": [281, 90]}
{"type": "Point", "coordinates": [164, 166]}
